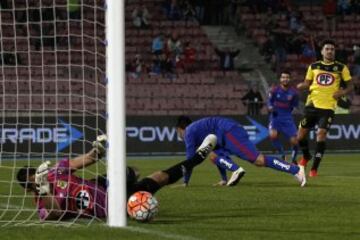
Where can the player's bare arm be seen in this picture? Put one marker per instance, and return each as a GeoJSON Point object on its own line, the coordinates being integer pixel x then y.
{"type": "Point", "coordinates": [83, 160]}
{"type": "Point", "coordinates": [342, 92]}
{"type": "Point", "coordinates": [54, 211]}
{"type": "Point", "coordinates": [97, 152]}
{"type": "Point", "coordinates": [304, 85]}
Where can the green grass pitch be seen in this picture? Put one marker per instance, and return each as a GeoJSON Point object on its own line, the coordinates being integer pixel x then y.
{"type": "Point", "coordinates": [265, 205]}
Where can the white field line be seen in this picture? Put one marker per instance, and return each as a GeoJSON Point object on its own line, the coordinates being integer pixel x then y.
{"type": "Point", "coordinates": [160, 234]}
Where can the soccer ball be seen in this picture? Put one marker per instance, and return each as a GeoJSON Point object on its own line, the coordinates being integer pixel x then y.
{"type": "Point", "coordinates": [142, 206]}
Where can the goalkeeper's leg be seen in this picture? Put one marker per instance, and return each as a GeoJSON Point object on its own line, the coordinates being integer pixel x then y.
{"type": "Point", "coordinates": [171, 175]}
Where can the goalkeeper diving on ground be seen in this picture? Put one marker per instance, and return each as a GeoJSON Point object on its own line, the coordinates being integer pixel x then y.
{"type": "Point", "coordinates": [61, 195]}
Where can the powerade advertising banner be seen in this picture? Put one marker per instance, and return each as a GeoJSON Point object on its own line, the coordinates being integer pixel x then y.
{"type": "Point", "coordinates": [157, 135]}
{"type": "Point", "coordinates": [145, 135]}
{"type": "Point", "coordinates": [26, 136]}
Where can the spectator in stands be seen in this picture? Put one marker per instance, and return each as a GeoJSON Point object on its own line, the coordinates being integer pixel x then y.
{"type": "Point", "coordinates": [296, 43]}
{"type": "Point", "coordinates": [230, 11]}
{"type": "Point", "coordinates": [280, 44]}
{"type": "Point", "coordinates": [155, 68]}
{"type": "Point", "coordinates": [295, 19]}
{"type": "Point", "coordinates": [269, 20]}
{"type": "Point", "coordinates": [189, 61]}
{"type": "Point", "coordinates": [284, 7]}
{"type": "Point", "coordinates": [199, 8]}
{"type": "Point", "coordinates": [343, 7]}
{"type": "Point", "coordinates": [174, 45]}
{"type": "Point", "coordinates": [253, 100]}
{"type": "Point", "coordinates": [227, 58]}
{"type": "Point", "coordinates": [189, 12]}
{"type": "Point", "coordinates": [135, 67]}
{"type": "Point", "coordinates": [267, 49]}
{"type": "Point", "coordinates": [329, 11]}
{"type": "Point", "coordinates": [308, 53]}
{"type": "Point", "coordinates": [140, 17]}
{"type": "Point", "coordinates": [158, 45]}
{"type": "Point", "coordinates": [172, 10]}
{"type": "Point", "coordinates": [168, 64]}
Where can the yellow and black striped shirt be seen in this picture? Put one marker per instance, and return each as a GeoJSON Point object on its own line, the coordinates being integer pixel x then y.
{"type": "Point", "coordinates": [325, 81]}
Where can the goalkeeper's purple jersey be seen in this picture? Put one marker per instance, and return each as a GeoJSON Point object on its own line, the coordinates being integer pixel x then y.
{"type": "Point", "coordinates": [75, 195]}
{"type": "Point", "coordinates": [283, 102]}
{"type": "Point", "coordinates": [196, 132]}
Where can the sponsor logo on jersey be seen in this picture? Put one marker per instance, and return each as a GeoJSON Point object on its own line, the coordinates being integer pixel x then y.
{"type": "Point", "coordinates": [325, 79]}
{"type": "Point", "coordinates": [82, 200]}
{"type": "Point", "coordinates": [61, 184]}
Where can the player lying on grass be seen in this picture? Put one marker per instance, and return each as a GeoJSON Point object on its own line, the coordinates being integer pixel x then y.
{"type": "Point", "coordinates": [232, 140]}
{"type": "Point", "coordinates": [60, 195]}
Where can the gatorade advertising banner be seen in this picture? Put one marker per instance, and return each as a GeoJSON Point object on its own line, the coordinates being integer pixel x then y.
{"type": "Point", "coordinates": [145, 135]}
{"type": "Point", "coordinates": [48, 136]}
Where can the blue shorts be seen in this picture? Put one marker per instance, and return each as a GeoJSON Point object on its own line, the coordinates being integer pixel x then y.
{"type": "Point", "coordinates": [287, 127]}
{"type": "Point", "coordinates": [237, 142]}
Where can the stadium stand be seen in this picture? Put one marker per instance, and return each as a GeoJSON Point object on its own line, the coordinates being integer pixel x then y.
{"type": "Point", "coordinates": [312, 17]}
{"type": "Point", "coordinates": [56, 43]}
{"type": "Point", "coordinates": [207, 90]}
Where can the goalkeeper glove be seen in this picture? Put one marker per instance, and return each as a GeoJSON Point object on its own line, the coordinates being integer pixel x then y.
{"type": "Point", "coordinates": [41, 181]}
{"type": "Point", "coordinates": [100, 145]}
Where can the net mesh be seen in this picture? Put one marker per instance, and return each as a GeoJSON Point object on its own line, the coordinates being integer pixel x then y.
{"type": "Point", "coordinates": [53, 91]}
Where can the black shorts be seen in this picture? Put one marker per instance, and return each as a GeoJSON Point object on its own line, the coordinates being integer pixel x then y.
{"type": "Point", "coordinates": [131, 180]}
{"type": "Point", "coordinates": [316, 116]}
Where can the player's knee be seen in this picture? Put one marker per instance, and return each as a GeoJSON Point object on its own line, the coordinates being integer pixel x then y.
{"type": "Point", "coordinates": [321, 135]}
{"type": "Point", "coordinates": [294, 141]}
{"type": "Point", "coordinates": [273, 135]}
{"type": "Point", "coordinates": [260, 161]}
{"type": "Point", "coordinates": [301, 134]}
{"type": "Point", "coordinates": [160, 177]}
{"type": "Point", "coordinates": [212, 157]}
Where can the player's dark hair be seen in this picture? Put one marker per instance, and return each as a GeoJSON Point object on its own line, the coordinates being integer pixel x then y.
{"type": "Point", "coordinates": [327, 41]}
{"type": "Point", "coordinates": [23, 175]}
{"type": "Point", "coordinates": [285, 72]}
{"type": "Point", "coordinates": [183, 122]}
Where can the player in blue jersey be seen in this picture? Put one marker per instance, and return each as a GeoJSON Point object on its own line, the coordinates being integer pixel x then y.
{"type": "Point", "coordinates": [281, 102]}
{"type": "Point", "coordinates": [222, 161]}
{"type": "Point", "coordinates": [232, 138]}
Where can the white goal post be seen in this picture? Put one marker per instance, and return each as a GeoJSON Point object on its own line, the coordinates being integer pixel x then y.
{"type": "Point", "coordinates": [115, 24]}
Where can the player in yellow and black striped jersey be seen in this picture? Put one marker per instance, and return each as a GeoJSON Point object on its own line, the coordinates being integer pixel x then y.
{"type": "Point", "coordinates": [323, 79]}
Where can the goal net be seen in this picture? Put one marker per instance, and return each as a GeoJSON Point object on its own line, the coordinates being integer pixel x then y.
{"type": "Point", "coordinates": [53, 93]}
